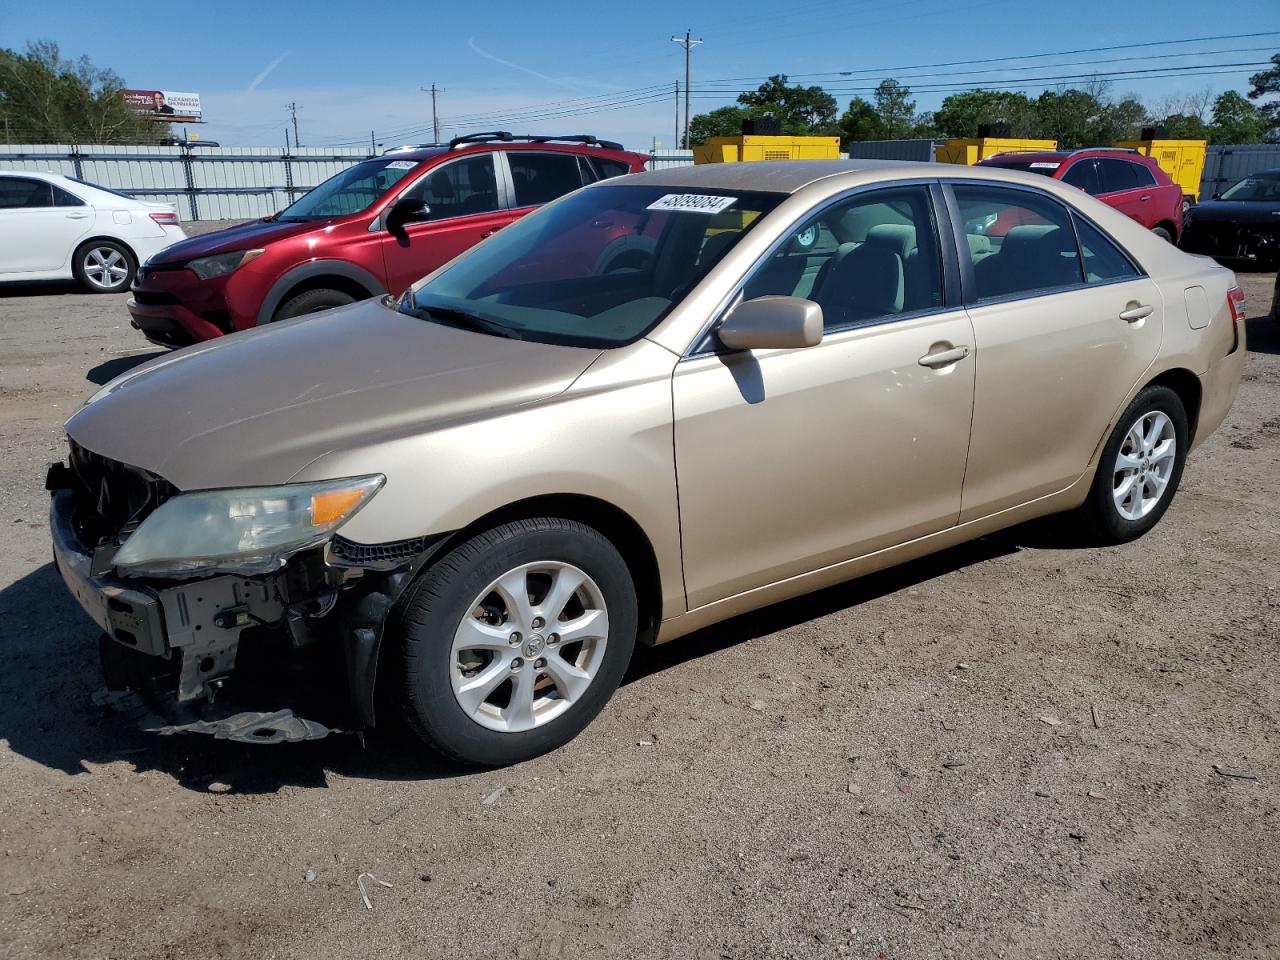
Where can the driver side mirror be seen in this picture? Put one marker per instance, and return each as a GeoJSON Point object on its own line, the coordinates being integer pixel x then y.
{"type": "Point", "coordinates": [772, 323]}
{"type": "Point", "coordinates": [403, 211]}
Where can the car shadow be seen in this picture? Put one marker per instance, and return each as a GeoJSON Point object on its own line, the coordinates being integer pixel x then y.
{"type": "Point", "coordinates": [40, 288]}
{"type": "Point", "coordinates": [47, 712]}
{"type": "Point", "coordinates": [107, 371]}
{"type": "Point", "coordinates": [1262, 334]}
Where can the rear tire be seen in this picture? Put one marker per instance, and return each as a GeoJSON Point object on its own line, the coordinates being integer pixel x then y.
{"type": "Point", "coordinates": [1139, 469]}
{"type": "Point", "coordinates": [104, 266]}
{"type": "Point", "coordinates": [501, 660]}
{"type": "Point", "coordinates": [1163, 233]}
{"type": "Point", "coordinates": [312, 301]}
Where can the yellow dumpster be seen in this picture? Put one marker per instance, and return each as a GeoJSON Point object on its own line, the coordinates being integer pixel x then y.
{"type": "Point", "coordinates": [752, 147]}
{"type": "Point", "coordinates": [1182, 160]}
{"type": "Point", "coordinates": [969, 150]}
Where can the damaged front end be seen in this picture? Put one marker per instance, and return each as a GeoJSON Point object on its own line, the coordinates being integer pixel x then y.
{"type": "Point", "coordinates": [271, 648]}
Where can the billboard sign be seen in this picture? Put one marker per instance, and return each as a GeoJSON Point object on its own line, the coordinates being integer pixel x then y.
{"type": "Point", "coordinates": [167, 105]}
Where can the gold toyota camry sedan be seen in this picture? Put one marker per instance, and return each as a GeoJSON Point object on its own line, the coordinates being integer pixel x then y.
{"type": "Point", "coordinates": [658, 402]}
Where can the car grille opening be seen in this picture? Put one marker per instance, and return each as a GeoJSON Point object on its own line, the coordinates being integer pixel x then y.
{"type": "Point", "coordinates": [110, 495]}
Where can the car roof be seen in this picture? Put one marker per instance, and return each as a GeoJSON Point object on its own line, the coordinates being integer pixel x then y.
{"type": "Point", "coordinates": [428, 151]}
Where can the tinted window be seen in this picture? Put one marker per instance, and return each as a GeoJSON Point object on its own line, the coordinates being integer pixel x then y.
{"type": "Point", "coordinates": [865, 259]}
{"type": "Point", "coordinates": [599, 269]}
{"type": "Point", "coordinates": [1018, 242]}
{"type": "Point", "coordinates": [610, 168]}
{"type": "Point", "coordinates": [1143, 175]}
{"type": "Point", "coordinates": [61, 198]}
{"type": "Point", "coordinates": [1259, 188]}
{"type": "Point", "coordinates": [16, 192]}
{"type": "Point", "coordinates": [1103, 260]}
{"type": "Point", "coordinates": [458, 189]}
{"type": "Point", "coordinates": [1084, 174]}
{"type": "Point", "coordinates": [541, 177]}
{"type": "Point", "coordinates": [1117, 175]}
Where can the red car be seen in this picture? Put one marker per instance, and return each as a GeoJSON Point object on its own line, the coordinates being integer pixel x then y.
{"type": "Point", "coordinates": [1133, 184]}
{"type": "Point", "coordinates": [373, 229]}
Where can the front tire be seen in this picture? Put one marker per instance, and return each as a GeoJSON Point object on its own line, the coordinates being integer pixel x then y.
{"type": "Point", "coordinates": [1139, 469]}
{"type": "Point", "coordinates": [104, 266]}
{"type": "Point", "coordinates": [312, 301]}
{"type": "Point", "coordinates": [515, 640]}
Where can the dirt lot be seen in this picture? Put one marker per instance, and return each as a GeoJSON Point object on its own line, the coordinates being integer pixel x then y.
{"type": "Point", "coordinates": [1005, 750]}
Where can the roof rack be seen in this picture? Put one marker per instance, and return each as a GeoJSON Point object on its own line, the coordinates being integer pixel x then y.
{"type": "Point", "coordinates": [504, 136]}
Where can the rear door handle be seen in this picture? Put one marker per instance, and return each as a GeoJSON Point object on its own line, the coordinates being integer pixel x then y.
{"type": "Point", "coordinates": [1145, 198]}
{"type": "Point", "coordinates": [1137, 312]}
{"type": "Point", "coordinates": [77, 216]}
{"type": "Point", "coordinates": [943, 358]}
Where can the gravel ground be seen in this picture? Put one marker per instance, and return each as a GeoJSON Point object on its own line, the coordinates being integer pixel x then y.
{"type": "Point", "coordinates": [1008, 749]}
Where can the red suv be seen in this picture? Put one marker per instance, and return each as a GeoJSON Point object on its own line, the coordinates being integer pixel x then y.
{"type": "Point", "coordinates": [373, 229]}
{"type": "Point", "coordinates": [1125, 179]}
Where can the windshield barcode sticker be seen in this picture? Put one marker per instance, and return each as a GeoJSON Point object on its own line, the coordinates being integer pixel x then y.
{"type": "Point", "coordinates": [693, 203]}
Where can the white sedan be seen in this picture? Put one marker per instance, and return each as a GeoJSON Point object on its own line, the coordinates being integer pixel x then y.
{"type": "Point", "coordinates": [54, 227]}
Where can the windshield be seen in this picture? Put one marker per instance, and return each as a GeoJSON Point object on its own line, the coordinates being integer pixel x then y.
{"type": "Point", "coordinates": [1046, 167]}
{"type": "Point", "coordinates": [351, 191]}
{"type": "Point", "coordinates": [1260, 188]}
{"type": "Point", "coordinates": [599, 268]}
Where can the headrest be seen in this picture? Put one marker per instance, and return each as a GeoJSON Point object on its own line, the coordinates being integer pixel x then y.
{"type": "Point", "coordinates": [900, 238]}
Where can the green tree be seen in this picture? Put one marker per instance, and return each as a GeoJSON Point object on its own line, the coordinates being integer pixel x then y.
{"type": "Point", "coordinates": [1267, 84]}
{"type": "Point", "coordinates": [801, 111]}
{"type": "Point", "coordinates": [860, 122]}
{"type": "Point", "coordinates": [45, 98]}
{"type": "Point", "coordinates": [1236, 120]}
{"type": "Point", "coordinates": [895, 108]}
{"type": "Point", "coordinates": [724, 122]}
{"type": "Point", "coordinates": [1180, 126]}
{"type": "Point", "coordinates": [962, 113]}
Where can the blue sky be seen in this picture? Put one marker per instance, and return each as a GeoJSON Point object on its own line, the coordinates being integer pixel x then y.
{"type": "Point", "coordinates": [355, 67]}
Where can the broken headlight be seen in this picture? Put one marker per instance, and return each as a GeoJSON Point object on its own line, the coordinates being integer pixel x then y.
{"type": "Point", "coordinates": [248, 531]}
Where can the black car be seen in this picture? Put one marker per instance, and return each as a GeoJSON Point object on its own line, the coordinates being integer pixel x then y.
{"type": "Point", "coordinates": [1241, 225]}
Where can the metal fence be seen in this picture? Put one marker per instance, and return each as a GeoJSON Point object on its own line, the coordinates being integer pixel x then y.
{"type": "Point", "coordinates": [211, 183]}
{"type": "Point", "coordinates": [1228, 162]}
{"type": "Point", "coordinates": [918, 150]}
{"type": "Point", "coordinates": [204, 183]}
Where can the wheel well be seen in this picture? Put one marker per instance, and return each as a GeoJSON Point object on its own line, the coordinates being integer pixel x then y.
{"type": "Point", "coordinates": [325, 281]}
{"type": "Point", "coordinates": [1187, 386]}
{"type": "Point", "coordinates": [616, 525]}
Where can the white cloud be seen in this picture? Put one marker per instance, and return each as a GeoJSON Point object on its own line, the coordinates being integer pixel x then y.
{"type": "Point", "coordinates": [266, 71]}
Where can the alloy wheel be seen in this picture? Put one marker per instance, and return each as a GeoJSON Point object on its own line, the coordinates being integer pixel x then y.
{"type": "Point", "coordinates": [1144, 465]}
{"type": "Point", "coordinates": [529, 646]}
{"type": "Point", "coordinates": [105, 267]}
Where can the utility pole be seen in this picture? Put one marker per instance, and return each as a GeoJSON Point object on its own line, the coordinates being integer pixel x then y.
{"type": "Point", "coordinates": [689, 43]}
{"type": "Point", "coordinates": [292, 107]}
{"type": "Point", "coordinates": [677, 114]}
{"type": "Point", "coordinates": [435, 118]}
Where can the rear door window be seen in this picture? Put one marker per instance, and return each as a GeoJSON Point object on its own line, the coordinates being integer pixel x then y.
{"type": "Point", "coordinates": [1117, 175]}
{"type": "Point", "coordinates": [1103, 260]}
{"type": "Point", "coordinates": [1143, 174]}
{"type": "Point", "coordinates": [542, 177]}
{"type": "Point", "coordinates": [610, 168]}
{"type": "Point", "coordinates": [18, 193]}
{"type": "Point", "coordinates": [1020, 243]}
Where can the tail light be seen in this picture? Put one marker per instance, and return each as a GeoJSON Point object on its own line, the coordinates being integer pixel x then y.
{"type": "Point", "coordinates": [165, 219]}
{"type": "Point", "coordinates": [1235, 301]}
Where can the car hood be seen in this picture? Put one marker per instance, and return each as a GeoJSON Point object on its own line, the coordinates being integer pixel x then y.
{"type": "Point", "coordinates": [255, 408]}
{"type": "Point", "coordinates": [245, 236]}
{"type": "Point", "coordinates": [1235, 211]}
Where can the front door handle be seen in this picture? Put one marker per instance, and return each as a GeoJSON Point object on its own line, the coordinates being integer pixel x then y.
{"type": "Point", "coordinates": [943, 358]}
{"type": "Point", "coordinates": [1139, 311]}
{"type": "Point", "coordinates": [486, 236]}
